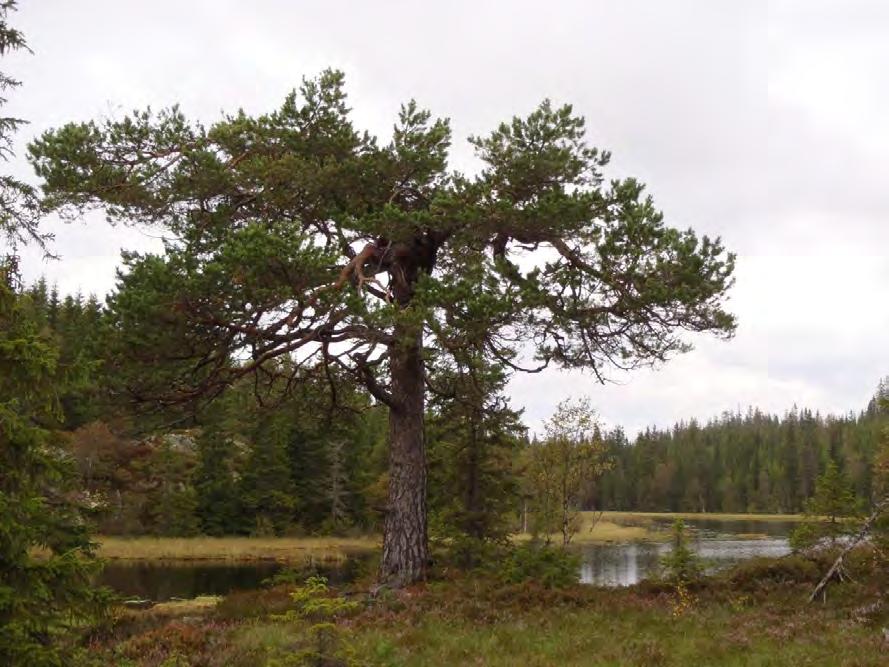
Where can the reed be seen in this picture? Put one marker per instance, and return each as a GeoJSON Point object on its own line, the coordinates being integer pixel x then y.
{"type": "Point", "coordinates": [280, 549]}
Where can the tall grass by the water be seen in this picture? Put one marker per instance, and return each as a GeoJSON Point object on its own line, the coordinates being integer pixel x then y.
{"type": "Point", "coordinates": [593, 528]}
{"type": "Point", "coordinates": [282, 549]}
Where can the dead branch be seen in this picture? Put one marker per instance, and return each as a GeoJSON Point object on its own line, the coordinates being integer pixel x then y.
{"type": "Point", "coordinates": [837, 570]}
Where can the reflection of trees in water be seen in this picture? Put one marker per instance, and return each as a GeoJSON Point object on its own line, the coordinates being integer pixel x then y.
{"type": "Point", "coordinates": [162, 581]}
{"type": "Point", "coordinates": [627, 564]}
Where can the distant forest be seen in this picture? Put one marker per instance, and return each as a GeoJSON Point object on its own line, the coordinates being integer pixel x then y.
{"type": "Point", "coordinates": [239, 465]}
{"type": "Point", "coordinates": [750, 462]}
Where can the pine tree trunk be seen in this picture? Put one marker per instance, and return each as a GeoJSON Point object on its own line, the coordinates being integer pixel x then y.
{"type": "Point", "coordinates": [405, 548]}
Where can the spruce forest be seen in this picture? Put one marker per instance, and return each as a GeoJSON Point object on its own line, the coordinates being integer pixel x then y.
{"type": "Point", "coordinates": [298, 466]}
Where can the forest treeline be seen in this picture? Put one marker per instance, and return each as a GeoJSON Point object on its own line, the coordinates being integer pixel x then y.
{"type": "Point", "coordinates": [238, 465]}
{"type": "Point", "coordinates": [740, 462]}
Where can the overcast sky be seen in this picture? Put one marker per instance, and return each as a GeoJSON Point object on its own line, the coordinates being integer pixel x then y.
{"type": "Point", "coordinates": [764, 123]}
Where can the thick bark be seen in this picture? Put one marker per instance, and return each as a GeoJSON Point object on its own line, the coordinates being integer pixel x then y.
{"type": "Point", "coordinates": [405, 546]}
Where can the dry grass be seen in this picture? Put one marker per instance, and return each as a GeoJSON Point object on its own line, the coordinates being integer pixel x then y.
{"type": "Point", "coordinates": [281, 549]}
{"type": "Point", "coordinates": [704, 516]}
{"type": "Point", "coordinates": [604, 531]}
{"type": "Point", "coordinates": [202, 604]}
{"type": "Point", "coordinates": [610, 527]}
{"type": "Point", "coordinates": [596, 528]}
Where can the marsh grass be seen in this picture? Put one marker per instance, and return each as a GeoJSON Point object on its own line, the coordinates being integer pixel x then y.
{"type": "Point", "coordinates": [302, 550]}
{"type": "Point", "coordinates": [603, 531]}
{"type": "Point", "coordinates": [203, 604]}
{"type": "Point", "coordinates": [593, 528]}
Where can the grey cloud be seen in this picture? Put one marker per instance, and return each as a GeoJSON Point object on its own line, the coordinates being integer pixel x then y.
{"type": "Point", "coordinates": [714, 104]}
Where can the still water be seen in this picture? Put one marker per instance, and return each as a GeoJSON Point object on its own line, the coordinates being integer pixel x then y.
{"type": "Point", "coordinates": [162, 581]}
{"type": "Point", "coordinates": [720, 543]}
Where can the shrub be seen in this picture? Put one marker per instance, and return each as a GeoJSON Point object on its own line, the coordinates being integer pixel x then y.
{"type": "Point", "coordinates": [549, 566]}
{"type": "Point", "coordinates": [316, 609]}
{"type": "Point", "coordinates": [681, 565]}
{"type": "Point", "coordinates": [758, 573]}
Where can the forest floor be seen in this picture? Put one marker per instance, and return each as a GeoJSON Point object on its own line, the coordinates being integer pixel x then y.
{"type": "Point", "coordinates": [757, 614]}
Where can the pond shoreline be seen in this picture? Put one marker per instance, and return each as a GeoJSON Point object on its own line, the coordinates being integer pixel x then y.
{"type": "Point", "coordinates": [609, 527]}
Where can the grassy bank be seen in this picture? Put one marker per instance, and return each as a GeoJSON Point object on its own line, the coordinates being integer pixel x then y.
{"type": "Point", "coordinates": [531, 627]}
{"type": "Point", "coordinates": [756, 615]}
{"type": "Point", "coordinates": [282, 549]}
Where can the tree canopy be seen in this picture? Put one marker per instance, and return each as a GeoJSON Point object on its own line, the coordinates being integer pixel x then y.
{"type": "Point", "coordinates": [294, 236]}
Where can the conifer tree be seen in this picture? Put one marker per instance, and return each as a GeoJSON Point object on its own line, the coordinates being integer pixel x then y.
{"type": "Point", "coordinates": [219, 505]}
{"type": "Point", "coordinates": [473, 440]}
{"type": "Point", "coordinates": [46, 598]}
{"type": "Point", "coordinates": [828, 511]}
{"type": "Point", "coordinates": [296, 236]}
{"type": "Point", "coordinates": [267, 490]}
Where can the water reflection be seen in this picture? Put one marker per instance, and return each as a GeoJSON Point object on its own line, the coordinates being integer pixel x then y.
{"type": "Point", "coordinates": [715, 541]}
{"type": "Point", "coordinates": [161, 581]}
{"type": "Point", "coordinates": [619, 564]}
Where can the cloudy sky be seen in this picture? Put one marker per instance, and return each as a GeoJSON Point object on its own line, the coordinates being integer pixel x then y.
{"type": "Point", "coordinates": [764, 123]}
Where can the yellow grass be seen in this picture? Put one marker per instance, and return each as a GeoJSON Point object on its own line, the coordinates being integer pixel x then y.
{"type": "Point", "coordinates": [281, 549]}
{"type": "Point", "coordinates": [198, 605]}
{"type": "Point", "coordinates": [610, 527]}
{"type": "Point", "coordinates": [714, 516]}
{"type": "Point", "coordinates": [603, 531]}
{"type": "Point", "coordinates": [596, 528]}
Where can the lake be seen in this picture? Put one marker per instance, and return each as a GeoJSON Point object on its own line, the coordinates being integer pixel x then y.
{"type": "Point", "coordinates": [721, 543]}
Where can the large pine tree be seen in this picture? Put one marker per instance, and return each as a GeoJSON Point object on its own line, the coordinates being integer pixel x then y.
{"type": "Point", "coordinates": [293, 234]}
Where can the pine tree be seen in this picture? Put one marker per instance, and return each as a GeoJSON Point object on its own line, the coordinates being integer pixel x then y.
{"type": "Point", "coordinates": [294, 235]}
{"type": "Point", "coordinates": [172, 504]}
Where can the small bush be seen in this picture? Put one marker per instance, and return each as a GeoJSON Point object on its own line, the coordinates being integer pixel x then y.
{"type": "Point", "coordinates": [546, 565]}
{"type": "Point", "coordinates": [469, 553]}
{"type": "Point", "coordinates": [758, 573]}
{"type": "Point", "coordinates": [314, 602]}
{"type": "Point", "coordinates": [172, 644]}
{"type": "Point", "coordinates": [315, 610]}
{"type": "Point", "coordinates": [681, 565]}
